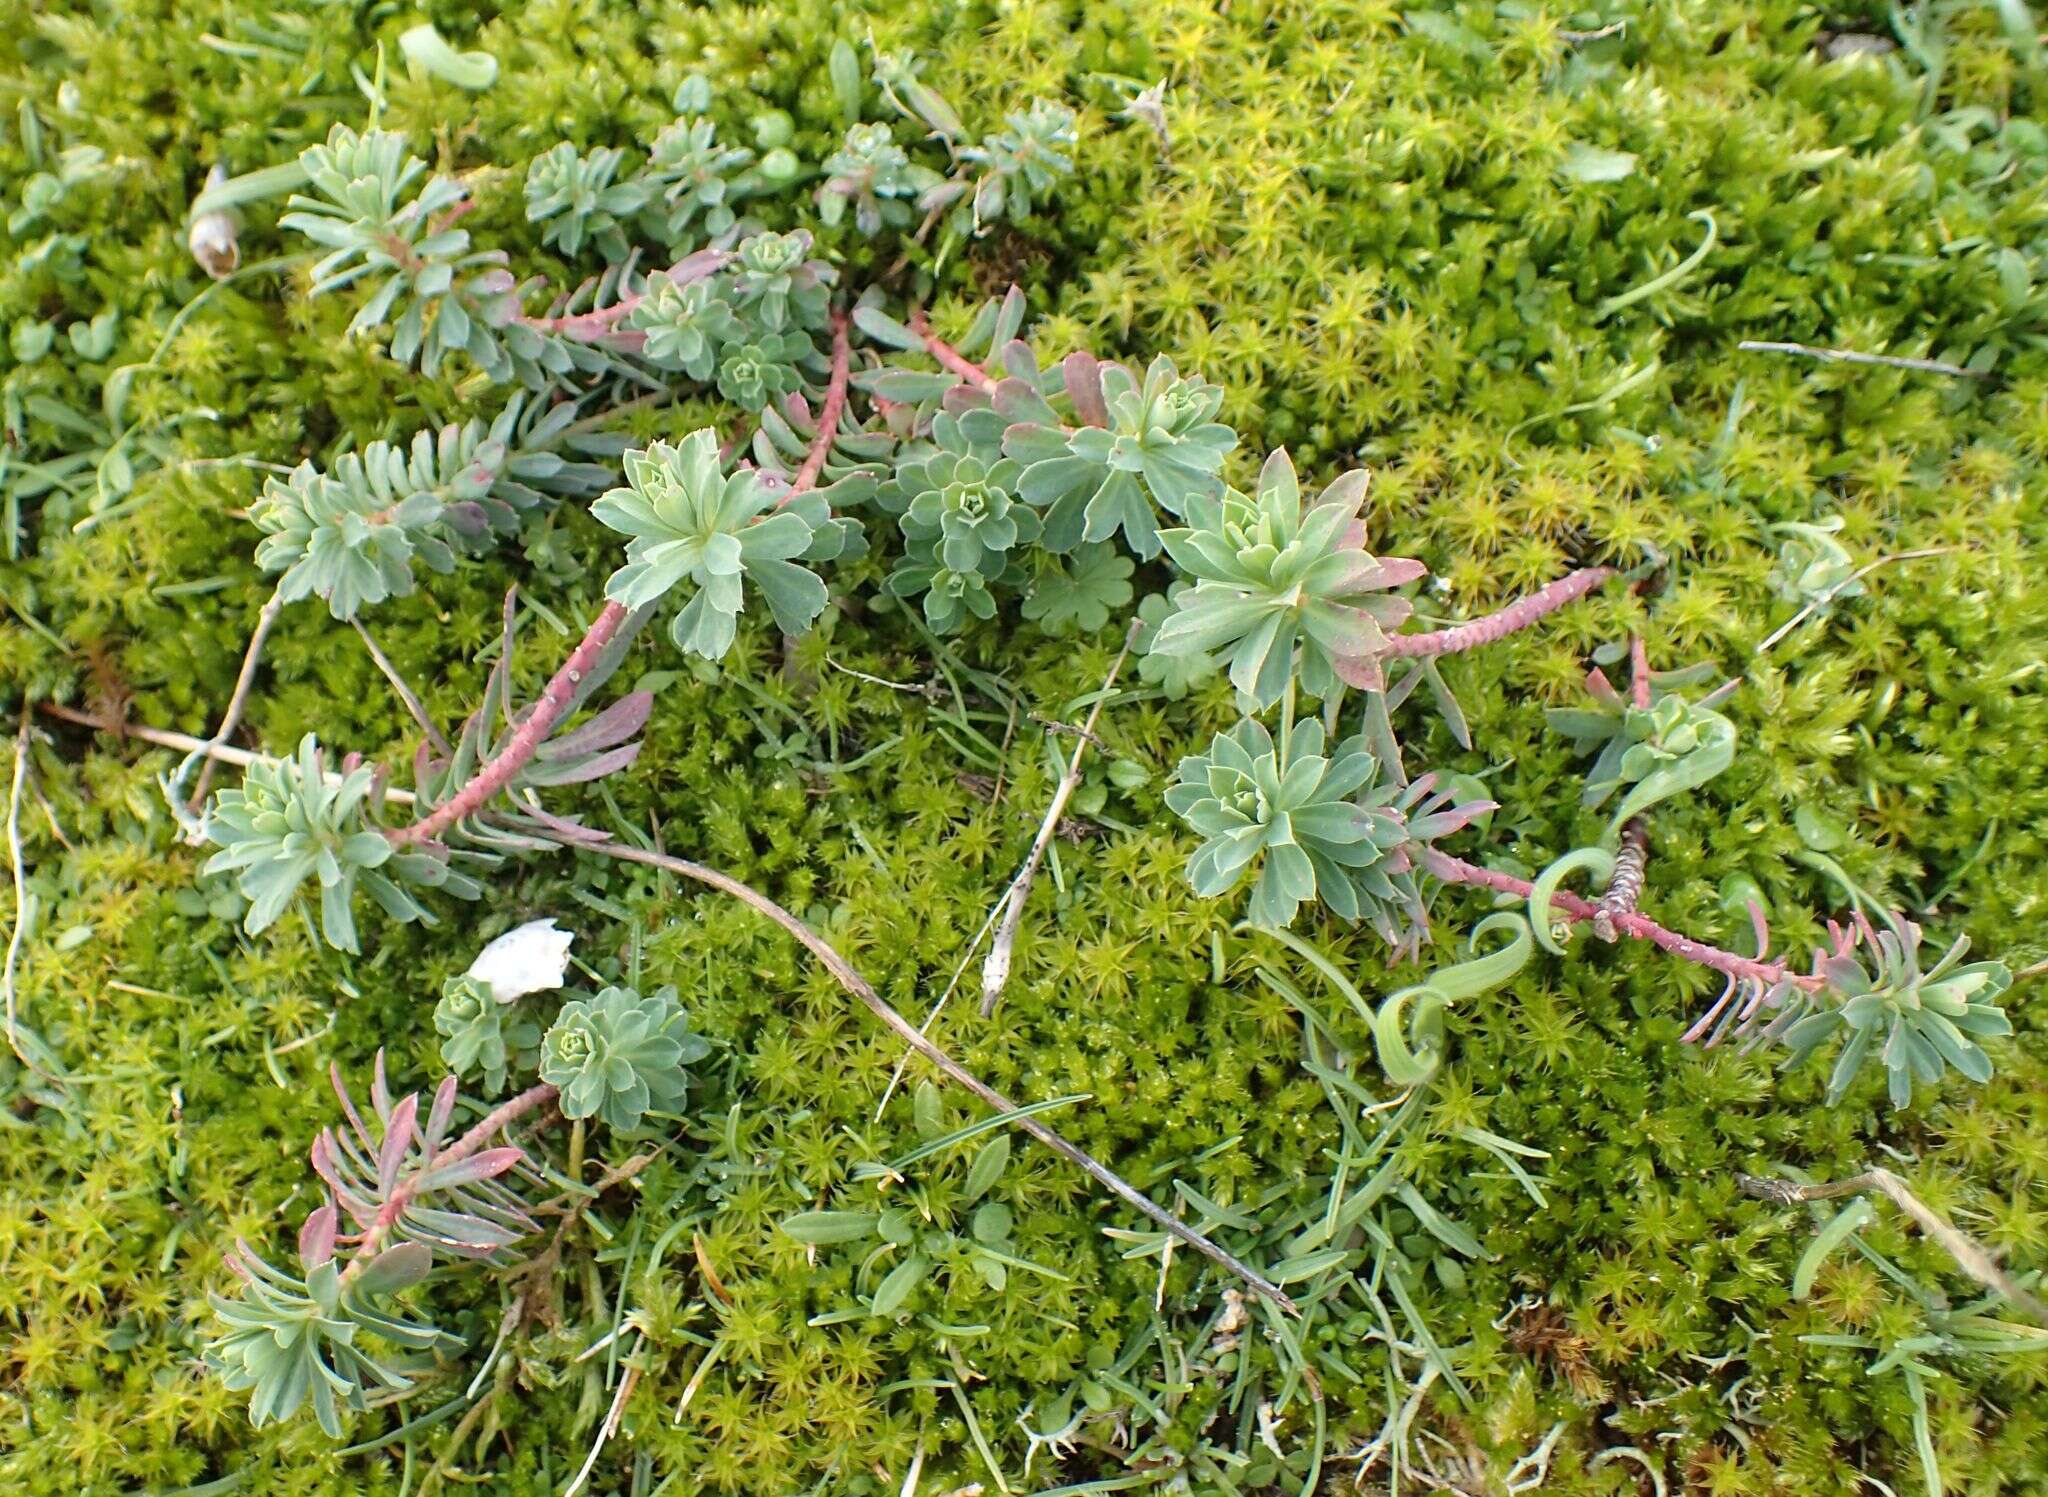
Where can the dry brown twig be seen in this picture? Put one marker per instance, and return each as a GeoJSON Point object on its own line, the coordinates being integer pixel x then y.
{"type": "Point", "coordinates": [15, 861]}
{"type": "Point", "coordinates": [931, 691]}
{"type": "Point", "coordinates": [1832, 593]}
{"type": "Point", "coordinates": [995, 969]}
{"type": "Point", "coordinates": [183, 743]}
{"type": "Point", "coordinates": [232, 718]}
{"type": "Point", "coordinates": [1850, 356]}
{"type": "Point", "coordinates": [406, 695]}
{"type": "Point", "coordinates": [610, 1426]}
{"type": "Point", "coordinates": [1970, 1255]}
{"type": "Point", "coordinates": [844, 974]}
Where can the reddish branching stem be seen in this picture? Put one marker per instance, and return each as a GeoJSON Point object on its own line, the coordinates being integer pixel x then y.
{"type": "Point", "coordinates": [1638, 673]}
{"type": "Point", "coordinates": [588, 327]}
{"type": "Point", "coordinates": [1517, 615]}
{"type": "Point", "coordinates": [584, 327]}
{"type": "Point", "coordinates": [949, 357]}
{"type": "Point", "coordinates": [555, 700]}
{"type": "Point", "coordinates": [488, 1127]}
{"type": "Point", "coordinates": [1457, 871]}
{"type": "Point", "coordinates": [560, 692]}
{"type": "Point", "coordinates": [829, 413]}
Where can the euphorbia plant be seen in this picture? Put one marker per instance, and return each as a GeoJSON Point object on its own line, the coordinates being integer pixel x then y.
{"type": "Point", "coordinates": [1275, 571]}
{"type": "Point", "coordinates": [1005, 470]}
{"type": "Point", "coordinates": [1285, 593]}
{"type": "Point", "coordinates": [690, 521]}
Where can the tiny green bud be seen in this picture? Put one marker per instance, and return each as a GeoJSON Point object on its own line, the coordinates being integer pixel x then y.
{"type": "Point", "coordinates": [693, 95]}
{"type": "Point", "coordinates": [1739, 891]}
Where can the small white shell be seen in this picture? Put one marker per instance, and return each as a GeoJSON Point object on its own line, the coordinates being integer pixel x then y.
{"type": "Point", "coordinates": [213, 244]}
{"type": "Point", "coordinates": [211, 237]}
{"type": "Point", "coordinates": [531, 958]}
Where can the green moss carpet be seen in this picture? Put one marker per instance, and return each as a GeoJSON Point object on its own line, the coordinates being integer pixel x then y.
{"type": "Point", "coordinates": [1503, 255]}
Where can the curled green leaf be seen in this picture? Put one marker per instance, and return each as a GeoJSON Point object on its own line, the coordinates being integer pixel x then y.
{"type": "Point", "coordinates": [1839, 1229]}
{"type": "Point", "coordinates": [1410, 1052]}
{"type": "Point", "coordinates": [1411, 1046]}
{"type": "Point", "coordinates": [1480, 974]}
{"type": "Point", "coordinates": [429, 52]}
{"type": "Point", "coordinates": [1598, 860]}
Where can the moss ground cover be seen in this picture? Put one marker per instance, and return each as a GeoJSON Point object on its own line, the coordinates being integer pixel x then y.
{"type": "Point", "coordinates": [1502, 255]}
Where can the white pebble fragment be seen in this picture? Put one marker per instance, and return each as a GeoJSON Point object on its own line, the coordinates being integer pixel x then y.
{"type": "Point", "coordinates": [531, 958]}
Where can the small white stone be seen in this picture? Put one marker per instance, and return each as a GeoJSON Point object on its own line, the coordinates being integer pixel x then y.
{"type": "Point", "coordinates": [529, 959]}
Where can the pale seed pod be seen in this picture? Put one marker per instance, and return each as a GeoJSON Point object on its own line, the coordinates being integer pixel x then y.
{"type": "Point", "coordinates": [211, 236]}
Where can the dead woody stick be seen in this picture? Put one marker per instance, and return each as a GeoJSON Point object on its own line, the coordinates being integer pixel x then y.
{"type": "Point", "coordinates": [1970, 1256]}
{"type": "Point", "coordinates": [406, 695]}
{"type": "Point", "coordinates": [232, 718]}
{"type": "Point", "coordinates": [185, 743]}
{"type": "Point", "coordinates": [995, 971]}
{"type": "Point", "coordinates": [843, 973]}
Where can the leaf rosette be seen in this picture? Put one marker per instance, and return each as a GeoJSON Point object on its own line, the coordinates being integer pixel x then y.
{"type": "Point", "coordinates": [693, 524]}
{"type": "Point", "coordinates": [618, 1055]}
{"type": "Point", "coordinates": [1275, 571]}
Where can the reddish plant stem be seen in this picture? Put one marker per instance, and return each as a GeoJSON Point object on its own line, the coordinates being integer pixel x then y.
{"type": "Point", "coordinates": [1638, 673]}
{"type": "Point", "coordinates": [452, 215]}
{"type": "Point", "coordinates": [561, 690]}
{"type": "Point", "coordinates": [498, 1118]}
{"type": "Point", "coordinates": [587, 327]}
{"type": "Point", "coordinates": [828, 414]}
{"type": "Point", "coordinates": [388, 1215]}
{"type": "Point", "coordinates": [949, 357]}
{"type": "Point", "coordinates": [737, 442]}
{"type": "Point", "coordinates": [554, 701]}
{"type": "Point", "coordinates": [584, 326]}
{"type": "Point", "coordinates": [1457, 871]}
{"type": "Point", "coordinates": [1517, 615]}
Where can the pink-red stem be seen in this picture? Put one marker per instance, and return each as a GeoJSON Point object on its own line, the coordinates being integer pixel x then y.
{"type": "Point", "coordinates": [949, 357]}
{"type": "Point", "coordinates": [452, 215]}
{"type": "Point", "coordinates": [561, 691]}
{"type": "Point", "coordinates": [1457, 871]}
{"type": "Point", "coordinates": [829, 414]}
{"type": "Point", "coordinates": [584, 326]}
{"type": "Point", "coordinates": [1517, 615]}
{"type": "Point", "coordinates": [389, 1214]}
{"type": "Point", "coordinates": [587, 327]}
{"type": "Point", "coordinates": [526, 741]}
